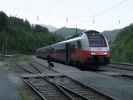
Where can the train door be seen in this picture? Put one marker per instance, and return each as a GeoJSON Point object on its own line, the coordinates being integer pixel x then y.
{"type": "Point", "coordinates": [61, 52]}
{"type": "Point", "coordinates": [73, 51]}
{"type": "Point", "coordinates": [68, 53]}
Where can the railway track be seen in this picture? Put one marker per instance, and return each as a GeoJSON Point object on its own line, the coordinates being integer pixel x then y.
{"type": "Point", "coordinates": [123, 66]}
{"type": "Point", "coordinates": [62, 88]}
{"type": "Point", "coordinates": [65, 88]}
{"type": "Point", "coordinates": [45, 90]}
{"type": "Point", "coordinates": [50, 86]}
{"type": "Point", "coordinates": [78, 88]}
{"type": "Point", "coordinates": [118, 70]}
{"type": "Point", "coordinates": [114, 69]}
{"type": "Point", "coordinates": [25, 68]}
{"type": "Point", "coordinates": [34, 68]}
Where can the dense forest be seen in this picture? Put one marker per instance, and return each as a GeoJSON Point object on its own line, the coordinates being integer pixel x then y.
{"type": "Point", "coordinates": [19, 36]}
{"type": "Point", "coordinates": [122, 47]}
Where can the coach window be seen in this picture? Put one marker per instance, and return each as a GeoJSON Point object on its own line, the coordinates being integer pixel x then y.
{"type": "Point", "coordinates": [76, 45]}
{"type": "Point", "coordinates": [62, 49]}
{"type": "Point", "coordinates": [52, 50]}
{"type": "Point", "coordinates": [56, 48]}
{"type": "Point", "coordinates": [72, 46]}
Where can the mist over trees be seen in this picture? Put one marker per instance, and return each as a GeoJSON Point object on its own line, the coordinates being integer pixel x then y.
{"type": "Point", "coordinates": [19, 36]}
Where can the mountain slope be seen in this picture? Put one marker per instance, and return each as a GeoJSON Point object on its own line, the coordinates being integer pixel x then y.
{"type": "Point", "coordinates": [111, 35]}
{"type": "Point", "coordinates": [122, 47]}
{"type": "Point", "coordinates": [50, 28]}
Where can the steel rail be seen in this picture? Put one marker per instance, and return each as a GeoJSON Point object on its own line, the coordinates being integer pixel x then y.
{"type": "Point", "coordinates": [64, 89]}
{"type": "Point", "coordinates": [69, 90]}
{"type": "Point", "coordinates": [44, 66]}
{"type": "Point", "coordinates": [78, 94]}
{"type": "Point", "coordinates": [79, 84]}
{"type": "Point", "coordinates": [37, 69]}
{"type": "Point", "coordinates": [68, 95]}
{"type": "Point", "coordinates": [129, 64]}
{"type": "Point", "coordinates": [121, 66]}
{"type": "Point", "coordinates": [24, 69]}
{"type": "Point", "coordinates": [35, 90]}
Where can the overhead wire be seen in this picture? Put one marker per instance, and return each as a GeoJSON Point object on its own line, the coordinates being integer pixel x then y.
{"type": "Point", "coordinates": [107, 10]}
{"type": "Point", "coordinates": [110, 8]}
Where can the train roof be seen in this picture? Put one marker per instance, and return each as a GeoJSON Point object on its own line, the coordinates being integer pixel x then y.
{"type": "Point", "coordinates": [71, 40]}
{"type": "Point", "coordinates": [67, 41]}
{"type": "Point", "coordinates": [62, 42]}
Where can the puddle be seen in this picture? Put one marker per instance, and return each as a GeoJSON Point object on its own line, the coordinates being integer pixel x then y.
{"type": "Point", "coordinates": [15, 80]}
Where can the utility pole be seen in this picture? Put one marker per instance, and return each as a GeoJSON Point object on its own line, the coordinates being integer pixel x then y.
{"type": "Point", "coordinates": [119, 22]}
{"type": "Point", "coordinates": [37, 18]}
{"type": "Point", "coordinates": [66, 21]}
{"type": "Point", "coordinates": [76, 29]}
{"type": "Point", "coordinates": [93, 20]}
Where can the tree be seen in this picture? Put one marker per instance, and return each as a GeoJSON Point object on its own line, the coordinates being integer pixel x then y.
{"type": "Point", "coordinates": [17, 35]}
{"type": "Point", "coordinates": [3, 28]}
{"type": "Point", "coordinates": [3, 21]}
{"type": "Point", "coordinates": [39, 28]}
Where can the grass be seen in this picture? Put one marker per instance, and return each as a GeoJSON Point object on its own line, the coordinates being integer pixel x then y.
{"type": "Point", "coordinates": [25, 94]}
{"type": "Point", "coordinates": [9, 63]}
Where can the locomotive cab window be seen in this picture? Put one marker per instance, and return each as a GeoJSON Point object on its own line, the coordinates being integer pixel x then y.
{"type": "Point", "coordinates": [96, 40]}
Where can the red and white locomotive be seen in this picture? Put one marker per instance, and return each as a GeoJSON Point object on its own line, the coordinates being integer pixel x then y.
{"type": "Point", "coordinates": [88, 48]}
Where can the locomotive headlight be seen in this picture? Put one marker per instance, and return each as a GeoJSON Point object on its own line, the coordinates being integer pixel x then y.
{"type": "Point", "coordinates": [105, 53]}
{"type": "Point", "coordinates": [93, 53]}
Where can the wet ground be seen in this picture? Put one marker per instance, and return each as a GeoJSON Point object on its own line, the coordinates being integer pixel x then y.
{"type": "Point", "coordinates": [8, 87]}
{"type": "Point", "coordinates": [11, 86]}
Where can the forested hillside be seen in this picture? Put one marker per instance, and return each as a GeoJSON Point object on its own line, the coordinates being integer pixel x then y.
{"type": "Point", "coordinates": [122, 47]}
{"type": "Point", "coordinates": [68, 32]}
{"type": "Point", "coordinates": [111, 35]}
{"type": "Point", "coordinates": [18, 35]}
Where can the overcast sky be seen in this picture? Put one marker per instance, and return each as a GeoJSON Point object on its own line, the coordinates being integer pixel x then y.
{"type": "Point", "coordinates": [86, 14]}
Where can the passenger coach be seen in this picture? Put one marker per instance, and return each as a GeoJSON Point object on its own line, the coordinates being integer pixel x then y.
{"type": "Point", "coordinates": [89, 48]}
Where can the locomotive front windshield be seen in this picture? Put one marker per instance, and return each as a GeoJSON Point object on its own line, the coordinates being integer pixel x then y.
{"type": "Point", "coordinates": [96, 40]}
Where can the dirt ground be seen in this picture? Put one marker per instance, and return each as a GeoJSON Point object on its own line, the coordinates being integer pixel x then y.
{"type": "Point", "coordinates": [8, 67]}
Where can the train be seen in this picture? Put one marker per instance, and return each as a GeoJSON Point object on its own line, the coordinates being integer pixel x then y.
{"type": "Point", "coordinates": [87, 49]}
